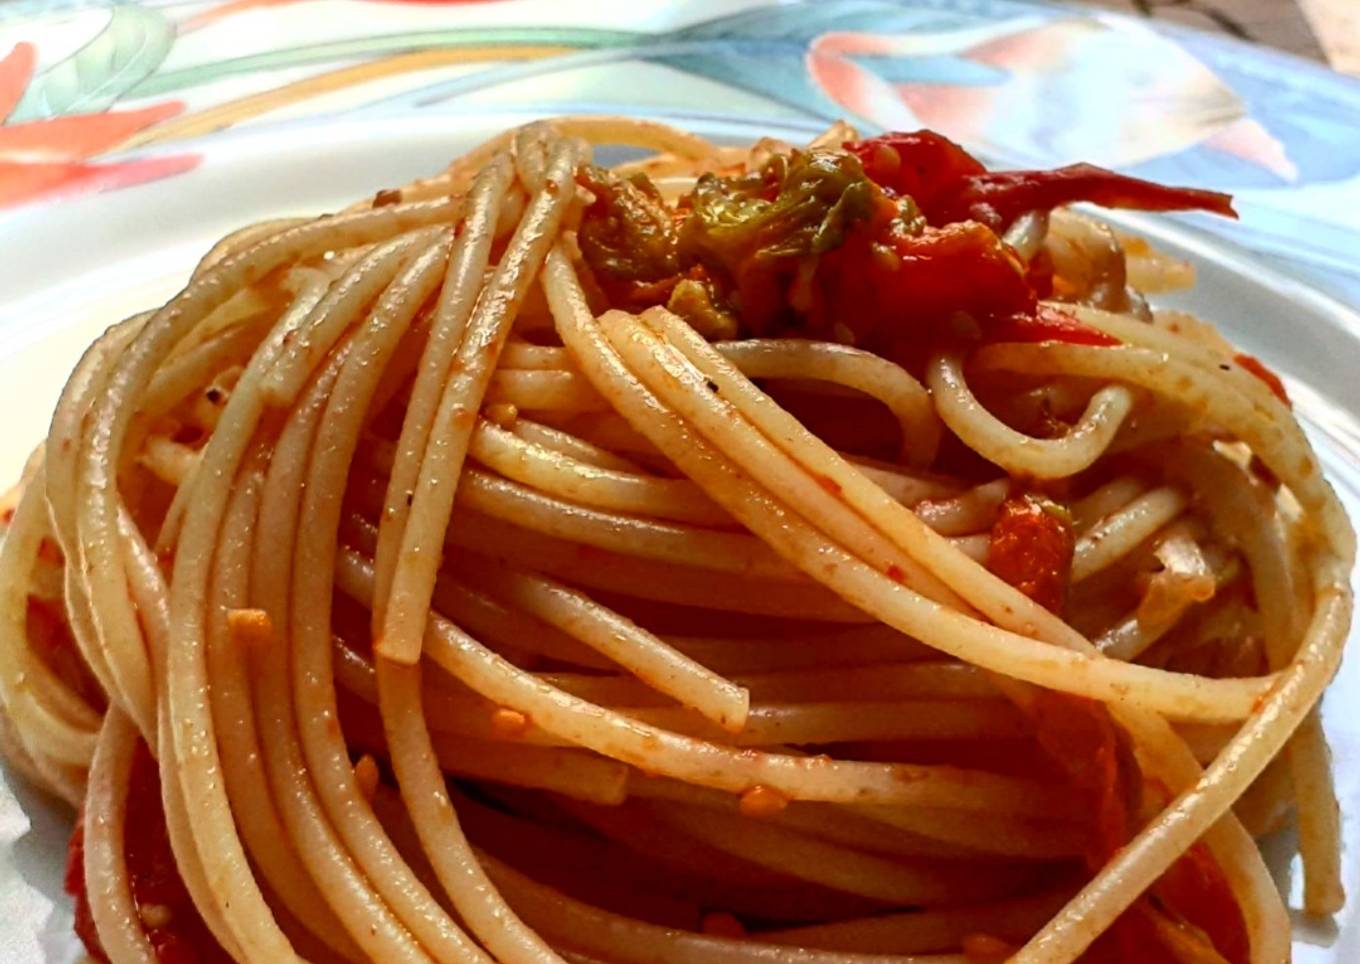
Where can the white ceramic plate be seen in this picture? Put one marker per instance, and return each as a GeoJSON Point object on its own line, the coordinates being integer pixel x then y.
{"type": "Point", "coordinates": [69, 270]}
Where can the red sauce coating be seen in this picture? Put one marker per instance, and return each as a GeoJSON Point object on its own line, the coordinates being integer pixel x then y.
{"type": "Point", "coordinates": [74, 884]}
{"type": "Point", "coordinates": [183, 938]}
{"type": "Point", "coordinates": [1196, 888]}
{"type": "Point", "coordinates": [50, 637]}
{"type": "Point", "coordinates": [1047, 323]}
{"type": "Point", "coordinates": [1258, 368]}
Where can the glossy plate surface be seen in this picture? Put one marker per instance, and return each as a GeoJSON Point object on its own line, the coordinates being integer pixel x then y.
{"type": "Point", "coordinates": [69, 270]}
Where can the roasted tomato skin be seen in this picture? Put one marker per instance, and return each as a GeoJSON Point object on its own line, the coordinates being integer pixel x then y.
{"type": "Point", "coordinates": [1031, 548]}
{"type": "Point", "coordinates": [923, 165]}
{"type": "Point", "coordinates": [999, 197]}
{"type": "Point", "coordinates": [949, 184]}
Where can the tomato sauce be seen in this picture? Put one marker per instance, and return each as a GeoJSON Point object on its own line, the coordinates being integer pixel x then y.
{"type": "Point", "coordinates": [170, 920]}
{"type": "Point", "coordinates": [51, 639]}
{"type": "Point", "coordinates": [1258, 368]}
{"type": "Point", "coordinates": [1031, 548]}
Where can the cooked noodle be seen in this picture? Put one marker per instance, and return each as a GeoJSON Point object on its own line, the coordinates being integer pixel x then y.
{"type": "Point", "coordinates": [420, 584]}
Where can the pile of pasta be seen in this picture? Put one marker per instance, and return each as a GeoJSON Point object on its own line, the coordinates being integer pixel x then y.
{"type": "Point", "coordinates": [398, 592]}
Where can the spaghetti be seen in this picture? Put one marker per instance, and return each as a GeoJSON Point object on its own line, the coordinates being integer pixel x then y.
{"type": "Point", "coordinates": [794, 554]}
